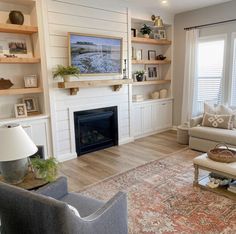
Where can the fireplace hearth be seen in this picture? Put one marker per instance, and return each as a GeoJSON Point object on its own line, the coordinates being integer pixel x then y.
{"type": "Point", "coordinates": [95, 129]}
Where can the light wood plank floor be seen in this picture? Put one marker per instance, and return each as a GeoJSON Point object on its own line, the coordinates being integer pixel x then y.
{"type": "Point", "coordinates": [94, 167]}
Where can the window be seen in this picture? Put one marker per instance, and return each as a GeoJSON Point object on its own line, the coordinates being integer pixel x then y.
{"type": "Point", "coordinates": [209, 80]}
{"type": "Point", "coordinates": [233, 84]}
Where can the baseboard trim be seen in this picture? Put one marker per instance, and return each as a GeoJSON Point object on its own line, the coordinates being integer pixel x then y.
{"type": "Point", "coordinates": [152, 133]}
{"type": "Point", "coordinates": [126, 140]}
{"type": "Point", "coordinates": [66, 157]}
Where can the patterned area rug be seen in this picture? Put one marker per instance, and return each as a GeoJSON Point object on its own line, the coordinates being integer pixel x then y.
{"type": "Point", "coordinates": [161, 199]}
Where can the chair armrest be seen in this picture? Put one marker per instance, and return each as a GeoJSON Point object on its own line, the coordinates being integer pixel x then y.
{"type": "Point", "coordinates": [195, 121]}
{"type": "Point", "coordinates": [112, 217]}
{"type": "Point", "coordinates": [56, 189]}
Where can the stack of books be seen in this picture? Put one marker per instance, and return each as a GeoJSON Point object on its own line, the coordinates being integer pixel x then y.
{"type": "Point", "coordinates": [232, 187]}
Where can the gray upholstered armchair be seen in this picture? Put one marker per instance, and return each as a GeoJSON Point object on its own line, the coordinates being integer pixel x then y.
{"type": "Point", "coordinates": [24, 212]}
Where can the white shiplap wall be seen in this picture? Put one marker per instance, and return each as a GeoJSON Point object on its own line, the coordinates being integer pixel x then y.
{"type": "Point", "coordinates": [83, 16]}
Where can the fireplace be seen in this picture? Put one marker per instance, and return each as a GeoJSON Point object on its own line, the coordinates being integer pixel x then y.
{"type": "Point", "coordinates": [95, 129]}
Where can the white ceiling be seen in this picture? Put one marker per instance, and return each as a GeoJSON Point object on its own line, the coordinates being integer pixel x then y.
{"type": "Point", "coordinates": [176, 6]}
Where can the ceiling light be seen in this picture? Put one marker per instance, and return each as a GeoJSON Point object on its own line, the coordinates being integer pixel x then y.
{"type": "Point", "coordinates": [163, 1]}
{"type": "Point", "coordinates": [158, 22]}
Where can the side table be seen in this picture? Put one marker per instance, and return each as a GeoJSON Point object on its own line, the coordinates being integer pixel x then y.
{"type": "Point", "coordinates": [30, 182]}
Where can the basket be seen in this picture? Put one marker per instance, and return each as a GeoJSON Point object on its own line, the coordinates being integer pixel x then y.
{"type": "Point", "coordinates": [224, 155]}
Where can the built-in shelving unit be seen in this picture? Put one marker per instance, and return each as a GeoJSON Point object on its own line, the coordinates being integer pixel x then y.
{"type": "Point", "coordinates": [74, 86]}
{"type": "Point", "coordinates": [151, 82]}
{"type": "Point", "coordinates": [16, 68]}
{"type": "Point", "coordinates": [150, 41]}
{"type": "Point", "coordinates": [151, 62]}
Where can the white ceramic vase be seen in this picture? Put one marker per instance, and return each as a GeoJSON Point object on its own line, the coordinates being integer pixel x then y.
{"type": "Point", "coordinates": [155, 95]}
{"type": "Point", "coordinates": [146, 36]}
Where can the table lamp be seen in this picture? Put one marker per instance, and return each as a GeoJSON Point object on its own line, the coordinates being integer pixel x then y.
{"type": "Point", "coordinates": [15, 147]}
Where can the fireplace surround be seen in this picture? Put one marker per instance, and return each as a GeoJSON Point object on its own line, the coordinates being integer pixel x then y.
{"type": "Point", "coordinates": [95, 129]}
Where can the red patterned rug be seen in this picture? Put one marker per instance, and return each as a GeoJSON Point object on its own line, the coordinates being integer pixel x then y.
{"type": "Point", "coordinates": [161, 199]}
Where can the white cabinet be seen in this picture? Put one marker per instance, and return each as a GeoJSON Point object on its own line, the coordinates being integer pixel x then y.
{"type": "Point", "coordinates": [150, 117]}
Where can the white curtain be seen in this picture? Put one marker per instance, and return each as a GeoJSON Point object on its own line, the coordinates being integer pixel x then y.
{"type": "Point", "coordinates": [189, 74]}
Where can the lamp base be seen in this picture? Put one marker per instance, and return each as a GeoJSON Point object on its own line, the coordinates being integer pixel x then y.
{"type": "Point", "coordinates": [13, 172]}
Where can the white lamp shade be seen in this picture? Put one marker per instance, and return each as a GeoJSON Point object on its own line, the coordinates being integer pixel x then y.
{"type": "Point", "coordinates": [15, 143]}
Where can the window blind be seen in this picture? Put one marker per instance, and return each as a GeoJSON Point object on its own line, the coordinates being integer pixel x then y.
{"type": "Point", "coordinates": [209, 73]}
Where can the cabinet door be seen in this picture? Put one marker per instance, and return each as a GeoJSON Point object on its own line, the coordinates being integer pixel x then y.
{"type": "Point", "coordinates": [38, 132]}
{"type": "Point", "coordinates": [165, 114]}
{"type": "Point", "coordinates": [137, 120]}
{"type": "Point", "coordinates": [147, 119]}
{"type": "Point", "coordinates": [156, 117]}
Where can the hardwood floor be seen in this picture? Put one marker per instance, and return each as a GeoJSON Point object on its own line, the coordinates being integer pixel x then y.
{"type": "Point", "coordinates": [96, 166]}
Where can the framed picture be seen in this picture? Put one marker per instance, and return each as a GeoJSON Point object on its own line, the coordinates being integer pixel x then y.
{"type": "Point", "coordinates": [31, 81]}
{"type": "Point", "coordinates": [153, 73]}
{"type": "Point", "coordinates": [157, 36]}
{"type": "Point", "coordinates": [162, 34]}
{"type": "Point", "coordinates": [31, 104]}
{"type": "Point", "coordinates": [152, 55]}
{"type": "Point", "coordinates": [19, 46]}
{"type": "Point", "coordinates": [3, 48]}
{"type": "Point", "coordinates": [139, 54]}
{"type": "Point", "coordinates": [133, 32]}
{"type": "Point", "coordinates": [20, 110]}
{"type": "Point", "coordinates": [96, 55]}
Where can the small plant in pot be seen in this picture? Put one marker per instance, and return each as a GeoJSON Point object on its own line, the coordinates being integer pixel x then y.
{"type": "Point", "coordinates": [139, 75]}
{"type": "Point", "coordinates": [45, 169]}
{"type": "Point", "coordinates": [146, 30]}
{"type": "Point", "coordinates": [68, 73]}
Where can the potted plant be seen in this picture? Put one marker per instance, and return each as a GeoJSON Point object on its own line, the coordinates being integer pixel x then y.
{"type": "Point", "coordinates": [68, 73]}
{"type": "Point", "coordinates": [139, 75]}
{"type": "Point", "coordinates": [146, 30]}
{"type": "Point", "coordinates": [45, 169]}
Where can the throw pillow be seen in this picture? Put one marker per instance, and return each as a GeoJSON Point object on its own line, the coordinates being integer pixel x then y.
{"type": "Point", "coordinates": [217, 121]}
{"type": "Point", "coordinates": [218, 110]}
{"type": "Point", "coordinates": [74, 210]}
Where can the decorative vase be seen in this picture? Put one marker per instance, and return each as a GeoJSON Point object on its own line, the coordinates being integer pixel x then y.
{"type": "Point", "coordinates": [146, 36]}
{"type": "Point", "coordinates": [16, 17]}
{"type": "Point", "coordinates": [139, 78]}
{"type": "Point", "coordinates": [5, 84]}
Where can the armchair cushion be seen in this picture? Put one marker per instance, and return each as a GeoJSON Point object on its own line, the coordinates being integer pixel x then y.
{"type": "Point", "coordinates": [196, 121]}
{"type": "Point", "coordinates": [214, 134]}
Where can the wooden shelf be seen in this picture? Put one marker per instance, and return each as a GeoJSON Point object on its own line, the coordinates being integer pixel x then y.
{"type": "Point", "coordinates": [74, 86]}
{"type": "Point", "coordinates": [5, 92]}
{"type": "Point", "coordinates": [151, 62]}
{"type": "Point", "coordinates": [19, 60]}
{"type": "Point", "coordinates": [150, 41]}
{"type": "Point", "coordinates": [220, 190]}
{"type": "Point", "coordinates": [151, 82]}
{"type": "Point", "coordinates": [19, 29]}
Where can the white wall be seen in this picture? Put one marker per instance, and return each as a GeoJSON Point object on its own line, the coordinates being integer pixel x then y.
{"type": "Point", "coordinates": [206, 15]}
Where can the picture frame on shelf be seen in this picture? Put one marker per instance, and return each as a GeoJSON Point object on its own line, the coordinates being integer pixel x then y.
{"type": "Point", "coordinates": [19, 46]}
{"type": "Point", "coordinates": [152, 73]}
{"type": "Point", "coordinates": [20, 110]}
{"type": "Point", "coordinates": [3, 48]}
{"type": "Point", "coordinates": [162, 33]}
{"type": "Point", "coordinates": [31, 81]}
{"type": "Point", "coordinates": [152, 55]}
{"type": "Point", "coordinates": [157, 36]}
{"type": "Point", "coordinates": [31, 104]}
{"type": "Point", "coordinates": [96, 54]}
{"type": "Point", "coordinates": [133, 32]}
{"type": "Point", "coordinates": [139, 54]}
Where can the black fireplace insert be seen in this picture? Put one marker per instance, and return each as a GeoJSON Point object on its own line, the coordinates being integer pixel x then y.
{"type": "Point", "coordinates": [95, 129]}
